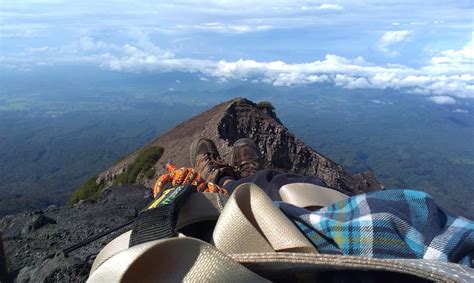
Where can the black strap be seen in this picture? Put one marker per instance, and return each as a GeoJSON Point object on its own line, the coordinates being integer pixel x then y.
{"type": "Point", "coordinates": [93, 238]}
{"type": "Point", "coordinates": [159, 223]}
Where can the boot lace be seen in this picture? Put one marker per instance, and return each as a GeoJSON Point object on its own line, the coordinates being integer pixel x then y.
{"type": "Point", "coordinates": [214, 162]}
{"type": "Point", "coordinates": [248, 168]}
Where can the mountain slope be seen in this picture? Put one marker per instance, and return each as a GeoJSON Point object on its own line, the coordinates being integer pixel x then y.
{"type": "Point", "coordinates": [30, 237]}
{"type": "Point", "coordinates": [237, 118]}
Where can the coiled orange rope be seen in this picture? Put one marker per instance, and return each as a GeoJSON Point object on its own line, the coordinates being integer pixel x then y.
{"type": "Point", "coordinates": [184, 176]}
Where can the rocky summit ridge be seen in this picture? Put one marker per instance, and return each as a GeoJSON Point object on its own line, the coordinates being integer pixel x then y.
{"type": "Point", "coordinates": [238, 118]}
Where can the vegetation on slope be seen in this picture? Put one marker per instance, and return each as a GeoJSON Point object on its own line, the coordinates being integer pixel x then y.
{"type": "Point", "coordinates": [143, 164]}
{"type": "Point", "coordinates": [89, 190]}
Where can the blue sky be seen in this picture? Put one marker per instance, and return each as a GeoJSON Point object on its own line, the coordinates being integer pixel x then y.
{"type": "Point", "coordinates": [421, 47]}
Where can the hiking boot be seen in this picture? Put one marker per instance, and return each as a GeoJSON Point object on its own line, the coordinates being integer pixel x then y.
{"type": "Point", "coordinates": [208, 163]}
{"type": "Point", "coordinates": [246, 157]}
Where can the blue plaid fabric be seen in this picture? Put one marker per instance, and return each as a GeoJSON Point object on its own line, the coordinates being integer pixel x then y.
{"type": "Point", "coordinates": [387, 224]}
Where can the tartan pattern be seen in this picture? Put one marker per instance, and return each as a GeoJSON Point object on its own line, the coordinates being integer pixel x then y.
{"type": "Point", "coordinates": [387, 224]}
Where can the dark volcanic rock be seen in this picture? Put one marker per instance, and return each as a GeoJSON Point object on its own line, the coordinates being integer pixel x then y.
{"type": "Point", "coordinates": [283, 151]}
{"type": "Point", "coordinates": [34, 252]}
{"type": "Point", "coordinates": [57, 269]}
{"type": "Point", "coordinates": [37, 221]}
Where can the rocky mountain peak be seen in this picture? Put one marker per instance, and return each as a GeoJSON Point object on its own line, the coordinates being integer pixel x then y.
{"type": "Point", "coordinates": [35, 241]}
{"type": "Point", "coordinates": [238, 118]}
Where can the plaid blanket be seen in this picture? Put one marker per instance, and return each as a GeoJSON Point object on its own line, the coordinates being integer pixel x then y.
{"type": "Point", "coordinates": [387, 224]}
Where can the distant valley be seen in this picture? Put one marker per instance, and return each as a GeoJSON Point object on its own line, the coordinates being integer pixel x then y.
{"type": "Point", "coordinates": [77, 123]}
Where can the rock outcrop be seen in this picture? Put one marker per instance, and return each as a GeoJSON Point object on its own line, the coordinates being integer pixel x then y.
{"type": "Point", "coordinates": [37, 254]}
{"type": "Point", "coordinates": [232, 120]}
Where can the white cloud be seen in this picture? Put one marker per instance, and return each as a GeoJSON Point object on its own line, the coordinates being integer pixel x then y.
{"type": "Point", "coordinates": [63, 18]}
{"type": "Point", "coordinates": [460, 111]}
{"type": "Point", "coordinates": [225, 27]}
{"type": "Point", "coordinates": [435, 78]}
{"type": "Point", "coordinates": [464, 55]}
{"type": "Point", "coordinates": [351, 82]}
{"type": "Point", "coordinates": [448, 74]}
{"type": "Point", "coordinates": [392, 37]}
{"type": "Point", "coordinates": [335, 7]}
{"type": "Point", "coordinates": [295, 78]}
{"type": "Point", "coordinates": [330, 7]}
{"type": "Point", "coordinates": [443, 100]}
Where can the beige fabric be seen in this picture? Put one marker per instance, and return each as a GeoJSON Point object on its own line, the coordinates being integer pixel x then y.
{"type": "Point", "coordinates": [172, 260]}
{"type": "Point", "coordinates": [200, 207]}
{"type": "Point", "coordinates": [258, 239]}
{"type": "Point", "coordinates": [264, 263]}
{"type": "Point", "coordinates": [114, 247]}
{"type": "Point", "coordinates": [115, 269]}
{"type": "Point", "coordinates": [309, 195]}
{"type": "Point", "coordinates": [250, 222]}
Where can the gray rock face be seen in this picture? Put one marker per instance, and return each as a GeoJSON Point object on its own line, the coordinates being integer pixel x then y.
{"type": "Point", "coordinates": [57, 269]}
{"type": "Point", "coordinates": [38, 220]}
{"type": "Point", "coordinates": [283, 151]}
{"type": "Point", "coordinates": [38, 253]}
{"type": "Point", "coordinates": [3, 264]}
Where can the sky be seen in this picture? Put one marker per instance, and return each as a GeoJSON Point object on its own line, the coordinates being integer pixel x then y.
{"type": "Point", "coordinates": [418, 47]}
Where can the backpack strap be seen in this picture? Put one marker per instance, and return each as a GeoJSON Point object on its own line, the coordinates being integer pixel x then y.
{"type": "Point", "coordinates": [310, 195]}
{"type": "Point", "coordinates": [254, 243]}
{"type": "Point", "coordinates": [359, 269]}
{"type": "Point", "coordinates": [159, 220]}
{"type": "Point", "coordinates": [250, 222]}
{"type": "Point", "coordinates": [173, 260]}
{"type": "Point", "coordinates": [198, 207]}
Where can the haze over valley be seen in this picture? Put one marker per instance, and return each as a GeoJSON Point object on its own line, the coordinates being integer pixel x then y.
{"type": "Point", "coordinates": [79, 121]}
{"type": "Point", "coordinates": [380, 86]}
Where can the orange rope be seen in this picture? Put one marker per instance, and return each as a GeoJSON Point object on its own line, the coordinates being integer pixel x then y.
{"type": "Point", "coordinates": [184, 176]}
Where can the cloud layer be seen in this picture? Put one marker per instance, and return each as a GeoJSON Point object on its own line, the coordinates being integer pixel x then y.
{"type": "Point", "coordinates": [443, 100]}
{"type": "Point", "coordinates": [448, 74]}
{"type": "Point", "coordinates": [349, 44]}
